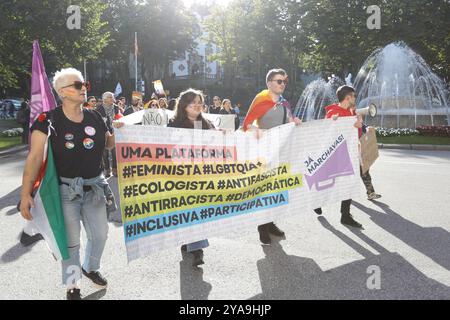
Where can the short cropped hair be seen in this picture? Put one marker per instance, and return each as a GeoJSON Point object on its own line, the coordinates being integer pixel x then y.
{"type": "Point", "coordinates": [343, 92]}
{"type": "Point", "coordinates": [107, 94]}
{"type": "Point", "coordinates": [272, 73]}
{"type": "Point", "coordinates": [60, 78]}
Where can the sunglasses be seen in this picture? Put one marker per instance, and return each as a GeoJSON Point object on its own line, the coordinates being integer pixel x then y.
{"type": "Point", "coordinates": [279, 81]}
{"type": "Point", "coordinates": [78, 85]}
{"type": "Point", "coordinates": [153, 105]}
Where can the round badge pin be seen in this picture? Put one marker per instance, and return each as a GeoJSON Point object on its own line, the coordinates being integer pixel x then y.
{"type": "Point", "coordinates": [68, 136]}
{"type": "Point", "coordinates": [88, 143]}
{"type": "Point", "coordinates": [70, 145]}
{"type": "Point", "coordinates": [90, 131]}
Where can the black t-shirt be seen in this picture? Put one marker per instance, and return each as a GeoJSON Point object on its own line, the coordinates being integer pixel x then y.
{"type": "Point", "coordinates": [77, 147]}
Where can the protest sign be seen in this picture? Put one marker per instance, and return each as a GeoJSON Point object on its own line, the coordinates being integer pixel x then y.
{"type": "Point", "coordinates": [369, 150]}
{"type": "Point", "coordinates": [181, 185]}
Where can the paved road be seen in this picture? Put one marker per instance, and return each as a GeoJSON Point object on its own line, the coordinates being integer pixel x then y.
{"type": "Point", "coordinates": [406, 236]}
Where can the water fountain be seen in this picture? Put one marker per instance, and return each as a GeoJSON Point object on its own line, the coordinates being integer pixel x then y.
{"type": "Point", "coordinates": [403, 87]}
{"type": "Point", "coordinates": [316, 96]}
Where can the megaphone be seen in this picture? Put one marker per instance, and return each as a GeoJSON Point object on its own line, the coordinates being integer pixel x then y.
{"type": "Point", "coordinates": [371, 110]}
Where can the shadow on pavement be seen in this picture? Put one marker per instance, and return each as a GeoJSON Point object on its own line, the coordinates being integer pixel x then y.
{"type": "Point", "coordinates": [11, 199]}
{"type": "Point", "coordinates": [433, 242]}
{"type": "Point", "coordinates": [289, 277]}
{"type": "Point", "coordinates": [192, 285]}
{"type": "Point", "coordinates": [16, 252]}
{"type": "Point", "coordinates": [96, 295]}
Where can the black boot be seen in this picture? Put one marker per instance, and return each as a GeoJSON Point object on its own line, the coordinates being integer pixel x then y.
{"type": "Point", "coordinates": [273, 229]}
{"type": "Point", "coordinates": [28, 240]}
{"type": "Point", "coordinates": [347, 219]}
{"type": "Point", "coordinates": [264, 234]}
{"type": "Point", "coordinates": [318, 211]}
{"type": "Point", "coordinates": [73, 294]}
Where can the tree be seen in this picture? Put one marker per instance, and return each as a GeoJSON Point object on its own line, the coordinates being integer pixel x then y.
{"type": "Point", "coordinates": [165, 30]}
{"type": "Point", "coordinates": [339, 40]}
{"type": "Point", "coordinates": [23, 21]}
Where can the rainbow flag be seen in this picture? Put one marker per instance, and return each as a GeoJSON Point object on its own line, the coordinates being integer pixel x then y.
{"type": "Point", "coordinates": [260, 105]}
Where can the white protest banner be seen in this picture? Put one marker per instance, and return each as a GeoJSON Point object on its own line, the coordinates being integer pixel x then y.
{"type": "Point", "coordinates": [157, 117]}
{"type": "Point", "coordinates": [134, 118]}
{"type": "Point", "coordinates": [160, 117]}
{"type": "Point", "coordinates": [182, 185]}
{"type": "Point", "coordinates": [221, 121]}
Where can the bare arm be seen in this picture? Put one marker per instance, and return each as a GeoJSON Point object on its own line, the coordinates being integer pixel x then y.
{"type": "Point", "coordinates": [31, 171]}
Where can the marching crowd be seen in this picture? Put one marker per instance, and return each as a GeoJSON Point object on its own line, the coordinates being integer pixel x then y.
{"type": "Point", "coordinates": [81, 133]}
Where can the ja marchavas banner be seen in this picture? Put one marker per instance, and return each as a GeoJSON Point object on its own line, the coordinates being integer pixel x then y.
{"type": "Point", "coordinates": [179, 186]}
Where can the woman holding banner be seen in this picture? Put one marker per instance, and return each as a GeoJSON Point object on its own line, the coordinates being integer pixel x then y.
{"type": "Point", "coordinates": [77, 137]}
{"type": "Point", "coordinates": [188, 115]}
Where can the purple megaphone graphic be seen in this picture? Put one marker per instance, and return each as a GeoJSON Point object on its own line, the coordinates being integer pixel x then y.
{"type": "Point", "coordinates": [337, 165]}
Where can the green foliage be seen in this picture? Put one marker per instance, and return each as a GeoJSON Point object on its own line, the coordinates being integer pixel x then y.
{"type": "Point", "coordinates": [328, 36]}
{"type": "Point", "coordinates": [23, 21]}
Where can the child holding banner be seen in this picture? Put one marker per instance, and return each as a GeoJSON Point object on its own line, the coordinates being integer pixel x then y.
{"type": "Point", "coordinates": [188, 115]}
{"type": "Point", "coordinates": [269, 109]}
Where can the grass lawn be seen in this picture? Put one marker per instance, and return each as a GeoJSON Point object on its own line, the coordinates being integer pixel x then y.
{"type": "Point", "coordinates": [6, 142]}
{"type": "Point", "coordinates": [415, 140]}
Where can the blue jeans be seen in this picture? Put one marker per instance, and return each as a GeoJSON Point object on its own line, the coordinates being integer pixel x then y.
{"type": "Point", "coordinates": [94, 218]}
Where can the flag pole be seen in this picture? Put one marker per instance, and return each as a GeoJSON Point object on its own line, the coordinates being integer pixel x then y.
{"type": "Point", "coordinates": [85, 77]}
{"type": "Point", "coordinates": [135, 60]}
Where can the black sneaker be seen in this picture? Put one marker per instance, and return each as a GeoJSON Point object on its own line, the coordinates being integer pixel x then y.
{"type": "Point", "coordinates": [73, 294]}
{"type": "Point", "coordinates": [348, 220]}
{"type": "Point", "coordinates": [264, 234]}
{"type": "Point", "coordinates": [318, 211]}
{"type": "Point", "coordinates": [273, 229]}
{"type": "Point", "coordinates": [28, 240]}
{"type": "Point", "coordinates": [96, 277]}
{"type": "Point", "coordinates": [198, 258]}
